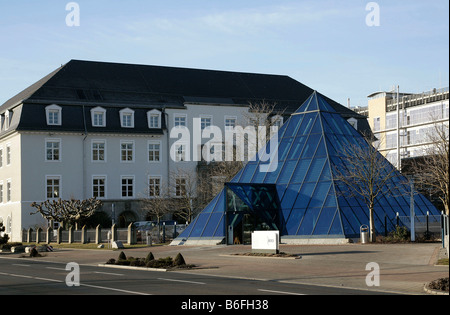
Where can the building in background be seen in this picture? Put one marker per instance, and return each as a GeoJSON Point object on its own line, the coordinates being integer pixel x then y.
{"type": "Point", "coordinates": [404, 121]}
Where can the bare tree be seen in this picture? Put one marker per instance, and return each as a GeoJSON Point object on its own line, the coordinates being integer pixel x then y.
{"type": "Point", "coordinates": [157, 201]}
{"type": "Point", "coordinates": [67, 211]}
{"type": "Point", "coordinates": [364, 173]}
{"type": "Point", "coordinates": [432, 170]}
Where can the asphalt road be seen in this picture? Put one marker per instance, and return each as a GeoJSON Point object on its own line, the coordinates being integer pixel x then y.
{"type": "Point", "coordinates": [28, 277]}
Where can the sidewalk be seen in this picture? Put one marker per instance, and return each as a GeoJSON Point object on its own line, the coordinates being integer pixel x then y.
{"type": "Point", "coordinates": [404, 268]}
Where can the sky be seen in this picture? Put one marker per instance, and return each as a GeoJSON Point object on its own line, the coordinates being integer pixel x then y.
{"type": "Point", "coordinates": [327, 45]}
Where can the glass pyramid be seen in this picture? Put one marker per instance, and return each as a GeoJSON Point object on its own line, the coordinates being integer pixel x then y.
{"type": "Point", "coordinates": [302, 198]}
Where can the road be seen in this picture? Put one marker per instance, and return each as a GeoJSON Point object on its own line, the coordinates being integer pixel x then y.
{"type": "Point", "coordinates": [19, 276]}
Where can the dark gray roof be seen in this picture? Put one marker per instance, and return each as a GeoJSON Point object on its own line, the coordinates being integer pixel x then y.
{"type": "Point", "coordinates": [112, 85]}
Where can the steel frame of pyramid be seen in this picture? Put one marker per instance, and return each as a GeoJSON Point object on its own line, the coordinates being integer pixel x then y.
{"type": "Point", "coordinates": [301, 198]}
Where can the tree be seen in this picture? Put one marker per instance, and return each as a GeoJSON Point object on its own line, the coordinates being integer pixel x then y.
{"type": "Point", "coordinates": [157, 202]}
{"type": "Point", "coordinates": [364, 173]}
{"type": "Point", "coordinates": [432, 170]}
{"type": "Point", "coordinates": [68, 212]}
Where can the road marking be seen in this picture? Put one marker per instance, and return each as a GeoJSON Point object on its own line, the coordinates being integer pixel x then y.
{"type": "Point", "coordinates": [109, 273]}
{"type": "Point", "coordinates": [281, 292]}
{"type": "Point", "coordinates": [185, 281]}
{"type": "Point", "coordinates": [54, 268]}
{"type": "Point", "coordinates": [113, 289]}
{"type": "Point", "coordinates": [21, 265]}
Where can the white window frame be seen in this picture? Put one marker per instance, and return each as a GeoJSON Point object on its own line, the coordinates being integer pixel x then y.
{"type": "Point", "coordinates": [202, 117]}
{"type": "Point", "coordinates": [125, 113]}
{"type": "Point", "coordinates": [1, 156]}
{"type": "Point", "coordinates": [230, 118]}
{"type": "Point", "coordinates": [101, 112]}
{"type": "Point", "coordinates": [8, 190]}
{"type": "Point", "coordinates": [132, 151]}
{"type": "Point", "coordinates": [127, 177]}
{"type": "Point", "coordinates": [177, 190]}
{"type": "Point", "coordinates": [154, 177]}
{"type": "Point", "coordinates": [153, 142]}
{"type": "Point", "coordinates": [179, 116]}
{"type": "Point", "coordinates": [98, 141]}
{"type": "Point", "coordinates": [8, 154]}
{"type": "Point", "coordinates": [53, 140]}
{"type": "Point", "coordinates": [184, 152]}
{"type": "Point", "coordinates": [1, 191]}
{"type": "Point", "coordinates": [53, 177]}
{"type": "Point", "coordinates": [154, 114]}
{"type": "Point", "coordinates": [53, 109]}
{"type": "Point", "coordinates": [99, 177]}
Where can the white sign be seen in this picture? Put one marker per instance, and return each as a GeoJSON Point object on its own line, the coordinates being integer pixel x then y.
{"type": "Point", "coordinates": [266, 242]}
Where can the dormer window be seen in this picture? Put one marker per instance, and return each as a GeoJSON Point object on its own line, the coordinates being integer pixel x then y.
{"type": "Point", "coordinates": [53, 113]}
{"type": "Point", "coordinates": [98, 116]}
{"type": "Point", "coordinates": [154, 119]}
{"type": "Point", "coordinates": [127, 118]}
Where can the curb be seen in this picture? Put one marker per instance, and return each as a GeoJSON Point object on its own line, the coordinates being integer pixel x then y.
{"type": "Point", "coordinates": [433, 292]}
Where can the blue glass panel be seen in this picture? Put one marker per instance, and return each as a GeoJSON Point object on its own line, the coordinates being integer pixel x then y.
{"type": "Point", "coordinates": [303, 108]}
{"type": "Point", "coordinates": [332, 120]}
{"type": "Point", "coordinates": [300, 171]}
{"type": "Point", "coordinates": [294, 221]}
{"type": "Point", "coordinates": [349, 221]}
{"type": "Point", "coordinates": [290, 196]}
{"type": "Point", "coordinates": [287, 171]}
{"type": "Point", "coordinates": [317, 128]}
{"type": "Point", "coordinates": [336, 227]}
{"type": "Point", "coordinates": [305, 195]}
{"type": "Point", "coordinates": [311, 146]}
{"type": "Point", "coordinates": [259, 176]}
{"type": "Point", "coordinates": [309, 221]}
{"type": "Point", "coordinates": [212, 224]}
{"type": "Point", "coordinates": [296, 148]}
{"type": "Point", "coordinates": [294, 123]}
{"type": "Point", "coordinates": [237, 176]}
{"type": "Point", "coordinates": [320, 194]}
{"type": "Point", "coordinates": [220, 231]}
{"type": "Point", "coordinates": [315, 170]}
{"type": "Point", "coordinates": [331, 199]}
{"type": "Point", "coordinates": [248, 173]}
{"type": "Point", "coordinates": [284, 148]}
{"type": "Point", "coordinates": [307, 124]}
{"type": "Point", "coordinates": [271, 177]}
{"type": "Point", "coordinates": [324, 222]}
{"type": "Point", "coordinates": [321, 151]}
{"type": "Point", "coordinates": [313, 104]}
{"type": "Point", "coordinates": [188, 230]}
{"type": "Point", "coordinates": [326, 173]}
{"type": "Point", "coordinates": [323, 105]}
{"type": "Point", "coordinates": [200, 224]}
{"type": "Point", "coordinates": [220, 205]}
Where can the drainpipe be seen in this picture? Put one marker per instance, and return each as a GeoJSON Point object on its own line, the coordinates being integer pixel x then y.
{"type": "Point", "coordinates": [84, 154]}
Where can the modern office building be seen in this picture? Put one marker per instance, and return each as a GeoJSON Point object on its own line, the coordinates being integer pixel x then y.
{"type": "Point", "coordinates": [97, 129]}
{"type": "Point", "coordinates": [404, 121]}
{"type": "Point", "coordinates": [303, 198]}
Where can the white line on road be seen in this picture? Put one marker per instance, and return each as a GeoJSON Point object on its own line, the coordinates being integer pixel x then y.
{"type": "Point", "coordinates": [281, 292]}
{"type": "Point", "coordinates": [109, 273]}
{"type": "Point", "coordinates": [54, 268]}
{"type": "Point", "coordinates": [185, 281]}
{"type": "Point", "coordinates": [21, 265]}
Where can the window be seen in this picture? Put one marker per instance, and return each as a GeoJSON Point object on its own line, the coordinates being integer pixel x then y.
{"type": "Point", "coordinates": [206, 121]}
{"type": "Point", "coordinates": [180, 152]}
{"type": "Point", "coordinates": [180, 120]}
{"type": "Point", "coordinates": [1, 157]}
{"type": "Point", "coordinates": [52, 150]}
{"type": "Point", "coordinates": [98, 150]}
{"type": "Point", "coordinates": [1, 192]}
{"type": "Point", "coordinates": [98, 116]}
{"type": "Point", "coordinates": [127, 118]}
{"type": "Point", "coordinates": [154, 151]}
{"type": "Point", "coordinates": [127, 186]}
{"type": "Point", "coordinates": [154, 186]}
{"type": "Point", "coordinates": [230, 122]}
{"type": "Point", "coordinates": [180, 186]}
{"type": "Point", "coordinates": [53, 113]}
{"type": "Point", "coordinates": [376, 124]}
{"type": "Point", "coordinates": [53, 187]}
{"type": "Point", "coordinates": [126, 151]}
{"type": "Point", "coordinates": [154, 119]}
{"type": "Point", "coordinates": [8, 154]}
{"type": "Point", "coordinates": [99, 186]}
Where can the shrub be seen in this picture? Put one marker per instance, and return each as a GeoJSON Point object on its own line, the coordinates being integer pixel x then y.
{"type": "Point", "coordinates": [179, 260]}
{"type": "Point", "coordinates": [122, 256]}
{"type": "Point", "coordinates": [34, 252]}
{"type": "Point", "coordinates": [111, 261]}
{"type": "Point", "coordinates": [149, 257]}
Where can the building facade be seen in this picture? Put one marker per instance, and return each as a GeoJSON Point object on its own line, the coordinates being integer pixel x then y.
{"type": "Point", "coordinates": [94, 129]}
{"type": "Point", "coordinates": [404, 130]}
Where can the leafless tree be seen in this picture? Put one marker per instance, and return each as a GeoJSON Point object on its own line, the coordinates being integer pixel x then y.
{"type": "Point", "coordinates": [67, 211]}
{"type": "Point", "coordinates": [432, 170]}
{"type": "Point", "coordinates": [364, 173]}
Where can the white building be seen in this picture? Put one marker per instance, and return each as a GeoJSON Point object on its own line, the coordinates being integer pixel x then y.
{"type": "Point", "coordinates": [93, 129]}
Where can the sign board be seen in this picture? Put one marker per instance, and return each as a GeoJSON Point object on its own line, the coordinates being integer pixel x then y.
{"type": "Point", "coordinates": [266, 242]}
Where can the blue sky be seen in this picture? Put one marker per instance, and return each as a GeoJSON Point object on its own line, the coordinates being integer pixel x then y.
{"type": "Point", "coordinates": [324, 44]}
